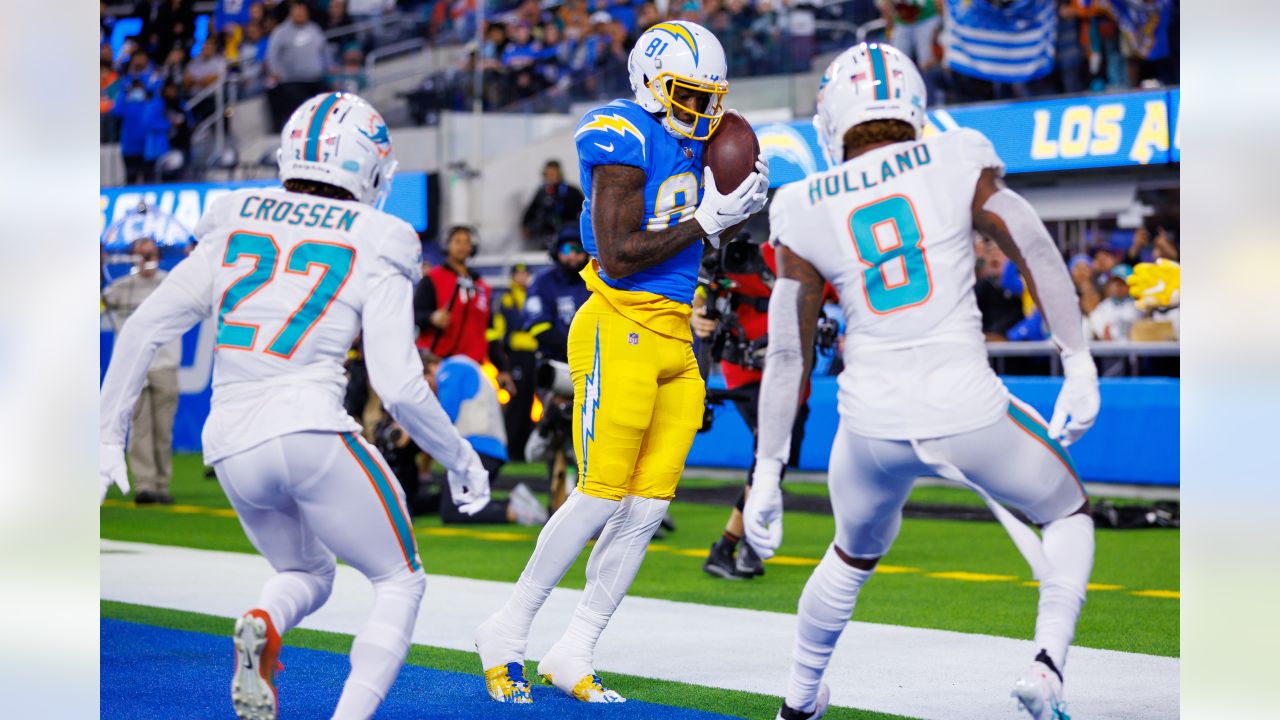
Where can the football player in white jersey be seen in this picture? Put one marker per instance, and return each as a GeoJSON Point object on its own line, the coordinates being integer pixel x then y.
{"type": "Point", "coordinates": [891, 226]}
{"type": "Point", "coordinates": [292, 275]}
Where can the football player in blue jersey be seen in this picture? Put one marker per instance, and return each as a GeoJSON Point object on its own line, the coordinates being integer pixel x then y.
{"type": "Point", "coordinates": [637, 391]}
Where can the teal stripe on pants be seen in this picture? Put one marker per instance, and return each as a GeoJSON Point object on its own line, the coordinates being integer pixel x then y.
{"type": "Point", "coordinates": [1030, 424]}
{"type": "Point", "coordinates": [404, 532]}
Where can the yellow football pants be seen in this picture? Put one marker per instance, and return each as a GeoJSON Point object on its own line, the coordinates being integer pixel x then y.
{"type": "Point", "coordinates": [637, 401]}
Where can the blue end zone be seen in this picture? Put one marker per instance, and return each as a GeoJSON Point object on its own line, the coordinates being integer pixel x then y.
{"type": "Point", "coordinates": [149, 672]}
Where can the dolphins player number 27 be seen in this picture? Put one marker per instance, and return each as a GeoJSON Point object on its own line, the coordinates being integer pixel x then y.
{"type": "Point", "coordinates": [335, 261]}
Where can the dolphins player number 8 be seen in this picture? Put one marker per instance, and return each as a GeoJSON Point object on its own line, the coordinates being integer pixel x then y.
{"type": "Point", "coordinates": [912, 285]}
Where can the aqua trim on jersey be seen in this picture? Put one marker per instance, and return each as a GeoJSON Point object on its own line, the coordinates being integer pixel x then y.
{"type": "Point", "coordinates": [622, 133]}
{"type": "Point", "coordinates": [390, 503]}
{"type": "Point", "coordinates": [311, 150]}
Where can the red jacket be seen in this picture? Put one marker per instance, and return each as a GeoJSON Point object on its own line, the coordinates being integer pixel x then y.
{"type": "Point", "coordinates": [468, 301]}
{"type": "Point", "coordinates": [755, 323]}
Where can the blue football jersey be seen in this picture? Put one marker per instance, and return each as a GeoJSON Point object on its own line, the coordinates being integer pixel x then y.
{"type": "Point", "coordinates": [622, 133]}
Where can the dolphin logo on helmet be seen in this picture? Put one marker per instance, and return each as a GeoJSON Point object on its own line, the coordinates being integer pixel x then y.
{"type": "Point", "coordinates": [679, 54]}
{"type": "Point", "coordinates": [339, 139]}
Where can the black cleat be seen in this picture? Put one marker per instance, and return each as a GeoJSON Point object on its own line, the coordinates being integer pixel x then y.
{"type": "Point", "coordinates": [144, 497]}
{"type": "Point", "coordinates": [720, 562]}
{"type": "Point", "coordinates": [748, 564]}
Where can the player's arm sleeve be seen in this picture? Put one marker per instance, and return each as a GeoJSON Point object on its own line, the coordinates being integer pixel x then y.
{"type": "Point", "coordinates": [181, 301]}
{"type": "Point", "coordinates": [395, 369]}
{"type": "Point", "coordinates": [1010, 220]}
{"type": "Point", "coordinates": [782, 380]}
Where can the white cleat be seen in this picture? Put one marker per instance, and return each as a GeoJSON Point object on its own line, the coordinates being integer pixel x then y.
{"type": "Point", "coordinates": [819, 707]}
{"type": "Point", "coordinates": [253, 692]}
{"type": "Point", "coordinates": [1039, 692]}
{"type": "Point", "coordinates": [575, 678]}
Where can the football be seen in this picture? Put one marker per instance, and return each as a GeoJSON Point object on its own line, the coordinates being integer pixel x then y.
{"type": "Point", "coordinates": [732, 151]}
{"type": "Point", "coordinates": [731, 154]}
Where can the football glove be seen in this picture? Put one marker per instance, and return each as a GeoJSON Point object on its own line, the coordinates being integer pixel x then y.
{"type": "Point", "coordinates": [762, 514]}
{"type": "Point", "coordinates": [719, 211]}
{"type": "Point", "coordinates": [1156, 285]}
{"type": "Point", "coordinates": [470, 488]}
{"type": "Point", "coordinates": [111, 470]}
{"type": "Point", "coordinates": [1078, 401]}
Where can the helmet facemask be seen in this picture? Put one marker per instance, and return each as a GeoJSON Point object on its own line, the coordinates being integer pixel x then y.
{"type": "Point", "coordinates": [704, 122]}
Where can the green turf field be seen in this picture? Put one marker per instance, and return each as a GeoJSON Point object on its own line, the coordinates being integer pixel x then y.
{"type": "Point", "coordinates": [945, 574]}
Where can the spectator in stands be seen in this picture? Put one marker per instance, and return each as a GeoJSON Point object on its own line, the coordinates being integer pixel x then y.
{"type": "Point", "coordinates": [1070, 60]}
{"type": "Point", "coordinates": [1113, 317]}
{"type": "Point", "coordinates": [151, 438]}
{"type": "Point", "coordinates": [555, 204]}
{"type": "Point", "coordinates": [108, 89]}
{"type": "Point", "coordinates": [1081, 267]}
{"type": "Point", "coordinates": [207, 70]}
{"type": "Point", "coordinates": [518, 58]}
{"type": "Point", "coordinates": [452, 306]}
{"type": "Point", "coordinates": [297, 63]}
{"type": "Point", "coordinates": [174, 67]}
{"type": "Point", "coordinates": [337, 16]}
{"type": "Point", "coordinates": [469, 399]}
{"type": "Point", "coordinates": [144, 125]}
{"type": "Point", "coordinates": [350, 76]}
{"type": "Point", "coordinates": [912, 26]}
{"type": "Point", "coordinates": [181, 122]}
{"type": "Point", "coordinates": [999, 297]}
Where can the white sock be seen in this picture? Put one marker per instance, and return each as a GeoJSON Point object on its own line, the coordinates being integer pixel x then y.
{"type": "Point", "coordinates": [825, 607]}
{"type": "Point", "coordinates": [381, 645]}
{"type": "Point", "coordinates": [1068, 544]}
{"type": "Point", "coordinates": [290, 596]}
{"type": "Point", "coordinates": [559, 544]}
{"type": "Point", "coordinates": [613, 565]}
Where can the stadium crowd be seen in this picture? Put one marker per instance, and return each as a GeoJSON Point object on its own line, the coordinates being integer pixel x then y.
{"type": "Point", "coordinates": [542, 56]}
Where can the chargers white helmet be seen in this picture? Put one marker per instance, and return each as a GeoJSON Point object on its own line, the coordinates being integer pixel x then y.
{"type": "Point", "coordinates": [683, 54]}
{"type": "Point", "coordinates": [869, 81]}
{"type": "Point", "coordinates": [339, 139]}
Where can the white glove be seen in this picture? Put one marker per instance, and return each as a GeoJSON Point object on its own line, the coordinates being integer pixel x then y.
{"type": "Point", "coordinates": [720, 211]}
{"type": "Point", "coordinates": [1078, 401]}
{"type": "Point", "coordinates": [111, 470]}
{"type": "Point", "coordinates": [762, 515]}
{"type": "Point", "coordinates": [470, 488]}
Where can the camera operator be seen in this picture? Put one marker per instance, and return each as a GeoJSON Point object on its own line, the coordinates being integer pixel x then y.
{"type": "Point", "coordinates": [471, 402]}
{"type": "Point", "coordinates": [730, 317]}
{"type": "Point", "coordinates": [554, 298]}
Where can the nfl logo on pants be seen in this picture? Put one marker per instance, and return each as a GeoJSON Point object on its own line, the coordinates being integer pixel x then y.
{"type": "Point", "coordinates": [633, 338]}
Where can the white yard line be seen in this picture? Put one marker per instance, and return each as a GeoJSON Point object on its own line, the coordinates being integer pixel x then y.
{"type": "Point", "coordinates": [907, 671]}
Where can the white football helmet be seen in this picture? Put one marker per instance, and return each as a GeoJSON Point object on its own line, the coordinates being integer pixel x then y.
{"type": "Point", "coordinates": [869, 81]}
{"type": "Point", "coordinates": [683, 54]}
{"type": "Point", "coordinates": [339, 139]}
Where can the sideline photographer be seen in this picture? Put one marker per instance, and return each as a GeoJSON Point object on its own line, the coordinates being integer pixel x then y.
{"type": "Point", "coordinates": [730, 317]}
{"type": "Point", "coordinates": [554, 298]}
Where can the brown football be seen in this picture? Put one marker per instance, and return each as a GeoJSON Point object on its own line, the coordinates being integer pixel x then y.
{"type": "Point", "coordinates": [732, 151]}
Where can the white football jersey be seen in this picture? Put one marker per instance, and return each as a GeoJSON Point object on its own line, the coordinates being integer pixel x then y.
{"type": "Point", "coordinates": [892, 231]}
{"type": "Point", "coordinates": [290, 274]}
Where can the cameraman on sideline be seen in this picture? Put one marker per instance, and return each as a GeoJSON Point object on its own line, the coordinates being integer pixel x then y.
{"type": "Point", "coordinates": [471, 402]}
{"type": "Point", "coordinates": [554, 298]}
{"type": "Point", "coordinates": [739, 346]}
